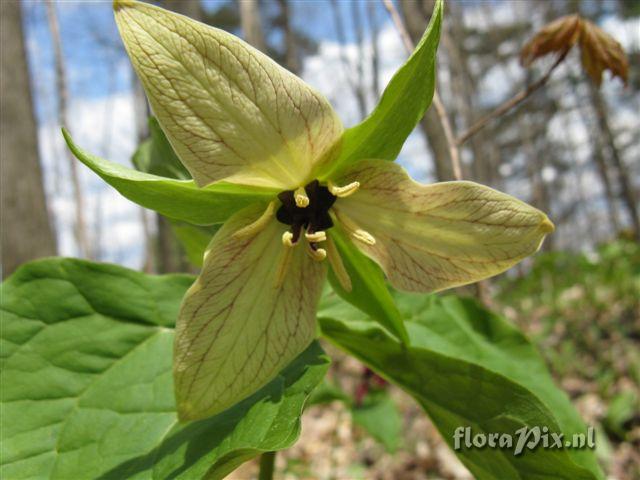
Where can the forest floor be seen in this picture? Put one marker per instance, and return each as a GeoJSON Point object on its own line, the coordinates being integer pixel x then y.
{"type": "Point", "coordinates": [581, 311]}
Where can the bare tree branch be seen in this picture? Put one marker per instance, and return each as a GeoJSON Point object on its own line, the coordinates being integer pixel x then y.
{"type": "Point", "coordinates": [357, 92]}
{"type": "Point", "coordinates": [63, 119]}
{"type": "Point", "coordinates": [374, 31]}
{"type": "Point", "coordinates": [513, 102]}
{"type": "Point", "coordinates": [454, 154]}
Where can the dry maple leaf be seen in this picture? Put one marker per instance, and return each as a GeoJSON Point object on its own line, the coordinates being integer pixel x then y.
{"type": "Point", "coordinates": [599, 50]}
{"type": "Point", "coordinates": [557, 36]}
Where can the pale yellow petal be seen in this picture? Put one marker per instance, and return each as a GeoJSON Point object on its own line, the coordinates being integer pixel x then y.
{"type": "Point", "coordinates": [239, 326]}
{"type": "Point", "coordinates": [431, 237]}
{"type": "Point", "coordinates": [230, 112]}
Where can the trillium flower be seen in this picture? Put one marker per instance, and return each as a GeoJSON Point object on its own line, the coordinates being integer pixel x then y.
{"type": "Point", "coordinates": [234, 115]}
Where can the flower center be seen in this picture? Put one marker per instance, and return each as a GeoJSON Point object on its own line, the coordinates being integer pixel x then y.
{"type": "Point", "coordinates": [306, 209]}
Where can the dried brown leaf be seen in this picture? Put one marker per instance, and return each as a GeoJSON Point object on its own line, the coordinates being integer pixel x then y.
{"type": "Point", "coordinates": [600, 52]}
{"type": "Point", "coordinates": [558, 36]}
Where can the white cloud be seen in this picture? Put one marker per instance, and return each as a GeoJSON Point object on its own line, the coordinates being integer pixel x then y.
{"type": "Point", "coordinates": [104, 127]}
{"type": "Point", "coordinates": [326, 72]}
{"type": "Point", "coordinates": [626, 31]}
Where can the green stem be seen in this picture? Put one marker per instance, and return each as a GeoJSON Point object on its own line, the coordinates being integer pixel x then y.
{"type": "Point", "coordinates": [267, 462]}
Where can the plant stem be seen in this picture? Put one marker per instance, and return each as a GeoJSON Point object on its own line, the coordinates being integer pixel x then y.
{"type": "Point", "coordinates": [510, 103]}
{"type": "Point", "coordinates": [267, 464]}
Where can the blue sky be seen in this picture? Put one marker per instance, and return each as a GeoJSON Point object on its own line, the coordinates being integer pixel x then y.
{"type": "Point", "coordinates": [97, 65]}
{"type": "Point", "coordinates": [100, 76]}
{"type": "Point", "coordinates": [99, 79]}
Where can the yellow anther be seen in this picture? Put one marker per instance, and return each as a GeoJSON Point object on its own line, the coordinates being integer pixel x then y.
{"type": "Point", "coordinates": [316, 236]}
{"type": "Point", "coordinates": [353, 228]}
{"type": "Point", "coordinates": [318, 254]}
{"type": "Point", "coordinates": [287, 239]}
{"type": "Point", "coordinates": [364, 237]}
{"type": "Point", "coordinates": [300, 196]}
{"type": "Point", "coordinates": [343, 191]}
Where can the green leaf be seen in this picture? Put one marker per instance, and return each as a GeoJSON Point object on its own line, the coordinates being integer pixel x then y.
{"type": "Point", "coordinates": [87, 386]}
{"type": "Point", "coordinates": [623, 407]}
{"type": "Point", "coordinates": [377, 414]}
{"type": "Point", "coordinates": [402, 105]}
{"type": "Point", "coordinates": [369, 290]}
{"type": "Point", "coordinates": [328, 392]}
{"type": "Point", "coordinates": [176, 199]}
{"type": "Point", "coordinates": [156, 156]}
{"type": "Point", "coordinates": [194, 239]}
{"type": "Point", "coordinates": [468, 367]}
{"type": "Point", "coordinates": [380, 417]}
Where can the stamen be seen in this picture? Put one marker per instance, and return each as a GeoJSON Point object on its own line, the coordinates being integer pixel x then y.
{"type": "Point", "coordinates": [364, 237]}
{"type": "Point", "coordinates": [355, 231]}
{"type": "Point", "coordinates": [318, 254]}
{"type": "Point", "coordinates": [316, 237]}
{"type": "Point", "coordinates": [343, 191]}
{"type": "Point", "coordinates": [287, 239]}
{"type": "Point", "coordinates": [335, 260]}
{"type": "Point", "coordinates": [283, 267]}
{"type": "Point", "coordinates": [259, 224]}
{"type": "Point", "coordinates": [300, 196]}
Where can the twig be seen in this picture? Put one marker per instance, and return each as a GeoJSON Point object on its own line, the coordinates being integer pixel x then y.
{"type": "Point", "coordinates": [397, 21]}
{"type": "Point", "coordinates": [454, 154]}
{"type": "Point", "coordinates": [346, 63]}
{"type": "Point", "coordinates": [510, 103]}
{"type": "Point", "coordinates": [80, 228]}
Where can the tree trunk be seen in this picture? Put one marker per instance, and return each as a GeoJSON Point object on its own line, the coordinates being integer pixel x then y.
{"type": "Point", "coordinates": [463, 88]}
{"type": "Point", "coordinates": [170, 256]}
{"type": "Point", "coordinates": [141, 114]}
{"type": "Point", "coordinates": [251, 25]}
{"type": "Point", "coordinates": [356, 15]}
{"type": "Point", "coordinates": [624, 181]}
{"type": "Point", "coordinates": [597, 146]}
{"type": "Point", "coordinates": [26, 230]}
{"type": "Point", "coordinates": [80, 226]}
{"type": "Point", "coordinates": [416, 19]}
{"type": "Point", "coordinates": [358, 93]}
{"type": "Point", "coordinates": [190, 8]}
{"type": "Point", "coordinates": [167, 250]}
{"type": "Point", "coordinates": [290, 47]}
{"type": "Point", "coordinates": [374, 31]}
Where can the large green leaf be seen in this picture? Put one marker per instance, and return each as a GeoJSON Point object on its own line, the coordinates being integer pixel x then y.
{"type": "Point", "coordinates": [380, 417]}
{"type": "Point", "coordinates": [468, 367]}
{"type": "Point", "coordinates": [87, 385]}
{"type": "Point", "coordinates": [402, 105]}
{"type": "Point", "coordinates": [369, 289]}
{"type": "Point", "coordinates": [176, 199]}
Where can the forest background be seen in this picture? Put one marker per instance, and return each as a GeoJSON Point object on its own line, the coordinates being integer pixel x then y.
{"type": "Point", "coordinates": [571, 149]}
